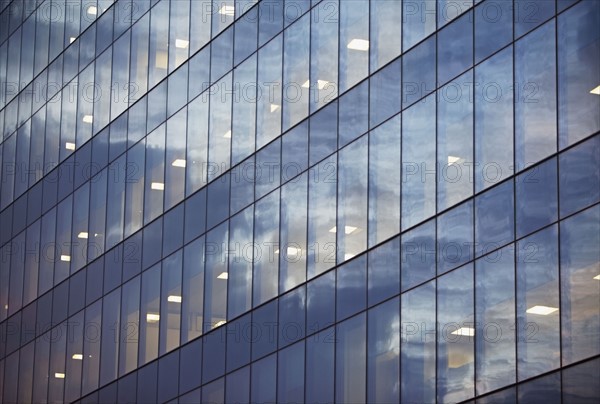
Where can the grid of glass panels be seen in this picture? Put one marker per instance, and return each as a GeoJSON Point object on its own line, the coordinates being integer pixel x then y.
{"type": "Point", "coordinates": [205, 194]}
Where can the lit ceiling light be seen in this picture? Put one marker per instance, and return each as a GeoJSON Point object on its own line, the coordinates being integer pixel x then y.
{"type": "Point", "coordinates": [464, 332]}
{"type": "Point", "coordinates": [291, 251]}
{"type": "Point", "coordinates": [152, 317]}
{"type": "Point", "coordinates": [174, 299]}
{"type": "Point", "coordinates": [92, 10]}
{"type": "Point", "coordinates": [88, 119]}
{"type": "Point", "coordinates": [348, 256]}
{"type": "Point", "coordinates": [347, 229]}
{"type": "Point", "coordinates": [83, 234]}
{"type": "Point", "coordinates": [274, 107]}
{"type": "Point", "coordinates": [159, 186]}
{"type": "Point", "coordinates": [453, 159]}
{"type": "Point", "coordinates": [59, 375]}
{"type": "Point", "coordinates": [597, 277]}
{"type": "Point", "coordinates": [595, 91]}
{"type": "Point", "coordinates": [72, 39]}
{"type": "Point", "coordinates": [181, 43]}
{"type": "Point", "coordinates": [179, 163]}
{"type": "Point", "coordinates": [65, 258]}
{"type": "Point", "coordinates": [321, 84]}
{"type": "Point", "coordinates": [219, 323]}
{"type": "Point", "coordinates": [227, 135]}
{"type": "Point", "coordinates": [359, 45]}
{"type": "Point", "coordinates": [77, 356]}
{"type": "Point", "coordinates": [541, 310]}
{"type": "Point", "coordinates": [70, 146]}
{"type": "Point", "coordinates": [227, 10]}
{"type": "Point", "coordinates": [223, 275]}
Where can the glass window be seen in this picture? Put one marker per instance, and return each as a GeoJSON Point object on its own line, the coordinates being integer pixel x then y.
{"type": "Point", "coordinates": [159, 43]}
{"type": "Point", "coordinates": [197, 145]}
{"type": "Point", "coordinates": [455, 141]}
{"type": "Point", "coordinates": [418, 70]}
{"type": "Point", "coordinates": [536, 197]}
{"type": "Point", "coordinates": [456, 361]}
{"type": "Point", "coordinates": [200, 28]}
{"type": "Point", "coordinates": [134, 188]}
{"type": "Point", "coordinates": [538, 314]}
{"type": "Point", "coordinates": [351, 361]}
{"type": "Point", "coordinates": [324, 59]}
{"type": "Point", "coordinates": [218, 201]}
{"type": "Point", "coordinates": [224, 17]}
{"type": "Point", "coordinates": [579, 263]}
{"type": "Point", "coordinates": [221, 58]}
{"type": "Point", "coordinates": [179, 33]}
{"type": "Point", "coordinates": [240, 263]}
{"type": "Point", "coordinates": [171, 302]}
{"type": "Point", "coordinates": [455, 237]}
{"type": "Point", "coordinates": [130, 325]}
{"type": "Point", "coordinates": [386, 32]}
{"type": "Point", "coordinates": [266, 239]}
{"type": "Point", "coordinates": [246, 36]}
{"type": "Point", "coordinates": [292, 309]}
{"type": "Point", "coordinates": [238, 386]}
{"type": "Point", "coordinates": [383, 276]}
{"type": "Point", "coordinates": [320, 356]}
{"type": "Point", "coordinates": [417, 255]}
{"type": "Point", "coordinates": [91, 351]}
{"type": "Point", "coordinates": [155, 173]}
{"type": "Point", "coordinates": [494, 218]}
{"type": "Point", "coordinates": [27, 364]}
{"type": "Point", "coordinates": [110, 337]}
{"type": "Point", "coordinates": [296, 64]}
{"type": "Point", "coordinates": [213, 358]}
{"type": "Point", "coordinates": [290, 374]}
{"type": "Point", "coordinates": [267, 170]}
{"type": "Point", "coordinates": [264, 320]}
{"type": "Point", "coordinates": [352, 200]}
{"type": "Point", "coordinates": [149, 315]}
{"type": "Point", "coordinates": [244, 110]}
{"type": "Point", "coordinates": [102, 84]}
{"type": "Point", "coordinates": [528, 14]}
{"type": "Point", "coordinates": [243, 178]}
{"type": "Point", "coordinates": [493, 27]}
{"type": "Point", "coordinates": [321, 217]}
{"type": "Point", "coordinates": [455, 48]}
{"type": "Point", "coordinates": [175, 159]}
{"type": "Point", "coordinates": [219, 140]}
{"type": "Point", "coordinates": [578, 382]}
{"type": "Point", "coordinates": [320, 302]}
{"type": "Point", "coordinates": [147, 382]}
{"type": "Point", "coordinates": [120, 76]}
{"type": "Point", "coordinates": [269, 91]}
{"type": "Point", "coordinates": [351, 288]}
{"type": "Point", "coordinates": [353, 113]}
{"type": "Point", "coordinates": [190, 366]}
{"type": "Point", "coordinates": [354, 43]}
{"type": "Point", "coordinates": [215, 277]}
{"type": "Point", "coordinates": [192, 290]}
{"type": "Point", "coordinates": [418, 21]}
{"type": "Point", "coordinates": [578, 72]}
{"type": "Point", "coordinates": [263, 383]}
{"type": "Point", "coordinates": [418, 162]}
{"type": "Point", "coordinates": [74, 356]}
{"type": "Point", "coordinates": [495, 361]}
{"type": "Point", "coordinates": [138, 67]}
{"type": "Point", "coordinates": [195, 215]}
{"type": "Point", "coordinates": [384, 181]}
{"type": "Point", "coordinates": [579, 176]}
{"type": "Point", "coordinates": [323, 133]}
{"type": "Point", "coordinates": [494, 120]}
{"type": "Point", "coordinates": [383, 353]}
{"type": "Point", "coordinates": [168, 377]}
{"type": "Point", "coordinates": [385, 92]}
{"type": "Point", "coordinates": [418, 331]}
{"type": "Point", "coordinates": [547, 389]}
{"type": "Point", "coordinates": [535, 96]}
{"type": "Point", "coordinates": [239, 336]}
{"type": "Point", "coordinates": [292, 248]}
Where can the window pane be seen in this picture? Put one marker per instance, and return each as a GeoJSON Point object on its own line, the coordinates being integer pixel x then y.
{"type": "Point", "coordinates": [320, 359]}
{"type": "Point", "coordinates": [494, 218]}
{"type": "Point", "coordinates": [418, 69]}
{"type": "Point", "coordinates": [493, 27]}
{"type": "Point", "coordinates": [149, 315]}
{"type": "Point", "coordinates": [455, 48]}
{"type": "Point", "coordinates": [296, 64]}
{"type": "Point", "coordinates": [418, 255]}
{"type": "Point", "coordinates": [171, 302]}
{"type": "Point", "coordinates": [290, 378]}
{"type": "Point", "coordinates": [268, 108]}
{"type": "Point", "coordinates": [130, 325]}
{"type": "Point", "coordinates": [354, 42]}
{"type": "Point", "coordinates": [324, 58]}
{"type": "Point", "coordinates": [266, 239]}
{"type": "Point", "coordinates": [216, 274]}
{"type": "Point", "coordinates": [240, 263]}
{"type": "Point", "coordinates": [386, 32]}
{"type": "Point", "coordinates": [384, 271]}
{"type": "Point", "coordinates": [350, 368]}
{"type": "Point", "coordinates": [418, 21]}
{"type": "Point", "coordinates": [455, 237]}
{"type": "Point", "coordinates": [351, 288]}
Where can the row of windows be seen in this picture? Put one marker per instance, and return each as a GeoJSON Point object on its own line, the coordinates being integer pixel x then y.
{"type": "Point", "coordinates": [518, 312]}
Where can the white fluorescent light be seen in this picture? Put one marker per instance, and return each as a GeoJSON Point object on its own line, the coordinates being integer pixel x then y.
{"type": "Point", "coordinates": [291, 251]}
{"type": "Point", "coordinates": [88, 118]}
{"type": "Point", "coordinates": [92, 10]}
{"type": "Point", "coordinates": [274, 107]}
{"type": "Point", "coordinates": [347, 229]}
{"type": "Point", "coordinates": [77, 356]}
{"type": "Point", "coordinates": [597, 277]}
{"type": "Point", "coordinates": [66, 258]}
{"type": "Point", "coordinates": [359, 44]}
{"type": "Point", "coordinates": [83, 234]}
{"type": "Point", "coordinates": [174, 299]}
{"type": "Point", "coordinates": [70, 146]}
{"type": "Point", "coordinates": [159, 186]}
{"type": "Point", "coordinates": [59, 375]}
{"type": "Point", "coordinates": [348, 256]}
{"type": "Point", "coordinates": [595, 91]}
{"type": "Point", "coordinates": [464, 332]}
{"type": "Point", "coordinates": [219, 323]}
{"type": "Point", "coordinates": [179, 163]}
{"type": "Point", "coordinates": [541, 310]}
{"type": "Point", "coordinates": [227, 10]}
{"type": "Point", "coordinates": [152, 318]}
{"type": "Point", "coordinates": [223, 275]}
{"type": "Point", "coordinates": [227, 135]}
{"type": "Point", "coordinates": [453, 159]}
{"type": "Point", "coordinates": [181, 43]}
{"type": "Point", "coordinates": [72, 39]}
{"type": "Point", "coordinates": [321, 84]}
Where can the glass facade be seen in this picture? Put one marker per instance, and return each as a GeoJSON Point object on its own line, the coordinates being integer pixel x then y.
{"type": "Point", "coordinates": [299, 201]}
